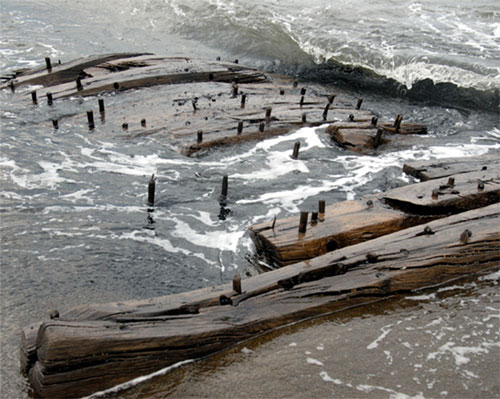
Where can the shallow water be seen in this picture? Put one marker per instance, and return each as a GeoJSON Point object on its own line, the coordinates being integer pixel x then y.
{"type": "Point", "coordinates": [73, 204]}
{"type": "Point", "coordinates": [435, 344]}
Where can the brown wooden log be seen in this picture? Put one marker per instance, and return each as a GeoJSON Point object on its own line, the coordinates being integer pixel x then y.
{"type": "Point", "coordinates": [350, 222]}
{"type": "Point", "coordinates": [434, 169]}
{"type": "Point", "coordinates": [75, 358]}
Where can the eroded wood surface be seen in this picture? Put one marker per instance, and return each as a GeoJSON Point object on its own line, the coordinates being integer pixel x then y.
{"type": "Point", "coordinates": [369, 138]}
{"type": "Point", "coordinates": [434, 169]}
{"type": "Point", "coordinates": [94, 347]}
{"type": "Point", "coordinates": [350, 222]}
{"type": "Point", "coordinates": [177, 98]}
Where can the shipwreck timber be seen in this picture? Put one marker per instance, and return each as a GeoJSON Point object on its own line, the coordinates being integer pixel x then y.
{"type": "Point", "coordinates": [345, 255]}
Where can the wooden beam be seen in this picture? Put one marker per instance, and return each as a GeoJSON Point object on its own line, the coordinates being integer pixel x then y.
{"type": "Point", "coordinates": [435, 169]}
{"type": "Point", "coordinates": [78, 357]}
{"type": "Point", "coordinates": [351, 222]}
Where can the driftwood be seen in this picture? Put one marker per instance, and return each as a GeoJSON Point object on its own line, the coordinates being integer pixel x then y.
{"type": "Point", "coordinates": [204, 103]}
{"type": "Point", "coordinates": [94, 347]}
{"type": "Point", "coordinates": [351, 222]}
{"type": "Point", "coordinates": [428, 170]}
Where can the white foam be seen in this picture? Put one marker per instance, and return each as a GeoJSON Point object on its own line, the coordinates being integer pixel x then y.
{"type": "Point", "coordinates": [421, 297]}
{"type": "Point", "coordinates": [221, 239]}
{"type": "Point", "coordinates": [458, 352]}
{"type": "Point", "coordinates": [491, 277]}
{"type": "Point", "coordinates": [325, 377]}
{"type": "Point", "coordinates": [137, 381]}
{"type": "Point", "coordinates": [385, 331]}
{"type": "Point", "coordinates": [310, 360]}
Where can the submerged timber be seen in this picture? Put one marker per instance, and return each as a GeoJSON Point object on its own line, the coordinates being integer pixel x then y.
{"type": "Point", "coordinates": [347, 254]}
{"type": "Point", "coordinates": [95, 347]}
{"type": "Point", "coordinates": [199, 104]}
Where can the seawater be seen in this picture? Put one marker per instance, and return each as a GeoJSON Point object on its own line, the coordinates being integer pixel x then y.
{"type": "Point", "coordinates": [73, 204]}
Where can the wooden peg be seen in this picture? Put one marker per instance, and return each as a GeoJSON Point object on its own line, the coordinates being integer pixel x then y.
{"type": "Point", "coordinates": [101, 106]}
{"type": "Point", "coordinates": [33, 97]}
{"type": "Point", "coordinates": [48, 64]}
{"type": "Point", "coordinates": [237, 283]}
{"type": "Point", "coordinates": [151, 190]}
{"type": "Point", "coordinates": [199, 138]}
{"type": "Point", "coordinates": [296, 148]}
{"type": "Point", "coordinates": [358, 105]}
{"type": "Point", "coordinates": [225, 184]}
{"type": "Point", "coordinates": [303, 222]}
{"type": "Point", "coordinates": [50, 99]}
{"type": "Point", "coordinates": [90, 119]}
{"type": "Point", "coordinates": [240, 127]}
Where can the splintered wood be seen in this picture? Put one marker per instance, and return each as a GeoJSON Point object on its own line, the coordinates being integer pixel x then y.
{"type": "Point", "coordinates": [196, 104]}
{"type": "Point", "coordinates": [95, 347]}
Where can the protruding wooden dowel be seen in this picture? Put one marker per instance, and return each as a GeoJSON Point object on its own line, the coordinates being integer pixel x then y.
{"type": "Point", "coordinates": [295, 83]}
{"type": "Point", "coordinates": [102, 110]}
{"type": "Point", "coordinates": [314, 217]}
{"type": "Point", "coordinates": [50, 99]}
{"type": "Point", "coordinates": [303, 222]}
{"type": "Point", "coordinates": [304, 118]}
{"type": "Point", "coordinates": [48, 63]}
{"type": "Point", "coordinates": [451, 181]}
{"type": "Point", "coordinates": [325, 112]}
{"type": "Point", "coordinates": [282, 92]}
{"type": "Point", "coordinates": [351, 117]}
{"type": "Point", "coordinates": [151, 190]}
{"type": "Point", "coordinates": [358, 105]}
{"type": "Point", "coordinates": [143, 122]}
{"type": "Point", "coordinates": [268, 113]}
{"type": "Point", "coordinates": [55, 124]}
{"type": "Point", "coordinates": [240, 127]}
{"type": "Point", "coordinates": [225, 183]}
{"type": "Point", "coordinates": [378, 138]}
{"type": "Point", "coordinates": [262, 126]}
{"type": "Point", "coordinates": [480, 186]}
{"type": "Point", "coordinates": [195, 107]}
{"type": "Point", "coordinates": [210, 76]}
{"type": "Point", "coordinates": [12, 86]}
{"type": "Point", "coordinates": [125, 126]}
{"type": "Point", "coordinates": [243, 100]}
{"type": "Point", "coordinates": [296, 148]}
{"type": "Point", "coordinates": [301, 101]}
{"type": "Point", "coordinates": [33, 97]}
{"type": "Point", "coordinates": [397, 122]}
{"type": "Point", "coordinates": [237, 283]}
{"type": "Point", "coordinates": [199, 138]}
{"type": "Point", "coordinates": [331, 98]}
{"type": "Point", "coordinates": [116, 86]}
{"type": "Point", "coordinates": [79, 86]}
{"type": "Point", "coordinates": [374, 121]}
{"type": "Point", "coordinates": [90, 119]}
{"type": "Point", "coordinates": [321, 206]}
{"type": "Point", "coordinates": [303, 91]}
{"type": "Point", "coordinates": [235, 90]}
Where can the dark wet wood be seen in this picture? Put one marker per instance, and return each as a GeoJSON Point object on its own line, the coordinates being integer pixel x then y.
{"type": "Point", "coordinates": [95, 347]}
{"type": "Point", "coordinates": [351, 222]}
{"type": "Point", "coordinates": [227, 101]}
{"type": "Point", "coordinates": [435, 169]}
{"type": "Point", "coordinates": [360, 135]}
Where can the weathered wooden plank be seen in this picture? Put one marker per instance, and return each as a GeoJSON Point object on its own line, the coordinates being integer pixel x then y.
{"type": "Point", "coordinates": [208, 96]}
{"type": "Point", "coordinates": [350, 222]}
{"type": "Point", "coordinates": [434, 169]}
{"type": "Point", "coordinates": [65, 72]}
{"type": "Point", "coordinates": [79, 357]}
{"type": "Point", "coordinates": [367, 136]}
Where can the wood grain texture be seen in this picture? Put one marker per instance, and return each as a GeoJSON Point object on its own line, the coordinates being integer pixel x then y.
{"type": "Point", "coordinates": [351, 222]}
{"type": "Point", "coordinates": [435, 169]}
{"type": "Point", "coordinates": [77, 357]}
